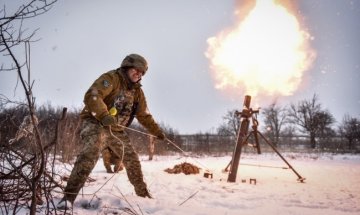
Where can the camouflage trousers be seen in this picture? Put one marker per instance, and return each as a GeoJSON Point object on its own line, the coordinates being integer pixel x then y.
{"type": "Point", "coordinates": [110, 158]}
{"type": "Point", "coordinates": [95, 139]}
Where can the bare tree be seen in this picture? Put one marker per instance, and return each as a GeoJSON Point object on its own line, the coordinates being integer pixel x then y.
{"type": "Point", "coordinates": [14, 38]}
{"type": "Point", "coordinates": [230, 125]}
{"type": "Point", "coordinates": [325, 119]}
{"type": "Point", "coordinates": [350, 129]}
{"type": "Point", "coordinates": [275, 118]}
{"type": "Point", "coordinates": [310, 116]}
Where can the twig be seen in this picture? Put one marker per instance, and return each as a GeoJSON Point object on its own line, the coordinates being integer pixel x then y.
{"type": "Point", "coordinates": [189, 198]}
{"type": "Point", "coordinates": [140, 209]}
{"type": "Point", "coordinates": [101, 187]}
{"type": "Point", "coordinates": [132, 208]}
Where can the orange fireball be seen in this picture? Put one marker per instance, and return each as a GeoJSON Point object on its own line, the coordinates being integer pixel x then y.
{"type": "Point", "coordinates": [267, 53]}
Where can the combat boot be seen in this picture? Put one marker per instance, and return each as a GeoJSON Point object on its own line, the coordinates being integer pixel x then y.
{"type": "Point", "coordinates": [118, 167]}
{"type": "Point", "coordinates": [64, 204]}
{"type": "Point", "coordinates": [143, 193]}
{"type": "Point", "coordinates": [147, 194]}
{"type": "Point", "coordinates": [108, 169]}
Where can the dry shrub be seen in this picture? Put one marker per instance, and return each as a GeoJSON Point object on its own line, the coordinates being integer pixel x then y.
{"type": "Point", "coordinates": [186, 168]}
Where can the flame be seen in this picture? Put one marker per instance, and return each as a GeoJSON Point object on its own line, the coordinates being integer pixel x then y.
{"type": "Point", "coordinates": [267, 53]}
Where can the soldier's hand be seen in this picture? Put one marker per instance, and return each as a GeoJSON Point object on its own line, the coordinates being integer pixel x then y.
{"type": "Point", "coordinates": [108, 120]}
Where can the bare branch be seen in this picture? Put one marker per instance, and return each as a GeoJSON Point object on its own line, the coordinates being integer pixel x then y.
{"type": "Point", "coordinates": [13, 34]}
{"type": "Point", "coordinates": [309, 115]}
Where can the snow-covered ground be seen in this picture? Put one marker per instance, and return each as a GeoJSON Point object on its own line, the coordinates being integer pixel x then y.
{"type": "Point", "coordinates": [332, 186]}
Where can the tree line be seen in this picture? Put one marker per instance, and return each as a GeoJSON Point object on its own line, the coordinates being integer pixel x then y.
{"type": "Point", "coordinates": [305, 123]}
{"type": "Point", "coordinates": [306, 119]}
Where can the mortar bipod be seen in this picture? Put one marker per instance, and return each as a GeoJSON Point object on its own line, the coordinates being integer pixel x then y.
{"type": "Point", "coordinates": [255, 132]}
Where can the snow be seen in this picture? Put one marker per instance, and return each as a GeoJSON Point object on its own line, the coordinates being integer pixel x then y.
{"type": "Point", "coordinates": [331, 187]}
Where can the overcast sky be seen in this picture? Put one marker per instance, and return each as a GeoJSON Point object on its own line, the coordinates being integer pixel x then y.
{"type": "Point", "coordinates": [81, 39]}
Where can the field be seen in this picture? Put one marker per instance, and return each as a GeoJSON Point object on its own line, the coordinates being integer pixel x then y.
{"type": "Point", "coordinates": [331, 187]}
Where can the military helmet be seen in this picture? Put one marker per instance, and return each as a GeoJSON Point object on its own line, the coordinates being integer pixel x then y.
{"type": "Point", "coordinates": [136, 61]}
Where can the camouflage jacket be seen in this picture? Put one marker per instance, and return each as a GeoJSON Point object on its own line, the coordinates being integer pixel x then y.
{"type": "Point", "coordinates": [113, 89]}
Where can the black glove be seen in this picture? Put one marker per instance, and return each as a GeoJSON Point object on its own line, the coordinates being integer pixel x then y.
{"type": "Point", "coordinates": [108, 120]}
{"type": "Point", "coordinates": [161, 136]}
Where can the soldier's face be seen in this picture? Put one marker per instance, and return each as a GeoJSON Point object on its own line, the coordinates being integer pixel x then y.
{"type": "Point", "coordinates": [134, 75]}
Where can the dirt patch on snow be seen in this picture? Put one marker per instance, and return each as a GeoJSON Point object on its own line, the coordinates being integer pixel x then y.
{"type": "Point", "coordinates": [186, 168]}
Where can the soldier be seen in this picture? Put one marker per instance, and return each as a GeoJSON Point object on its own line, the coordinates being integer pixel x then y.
{"type": "Point", "coordinates": [109, 159]}
{"type": "Point", "coordinates": [111, 103]}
